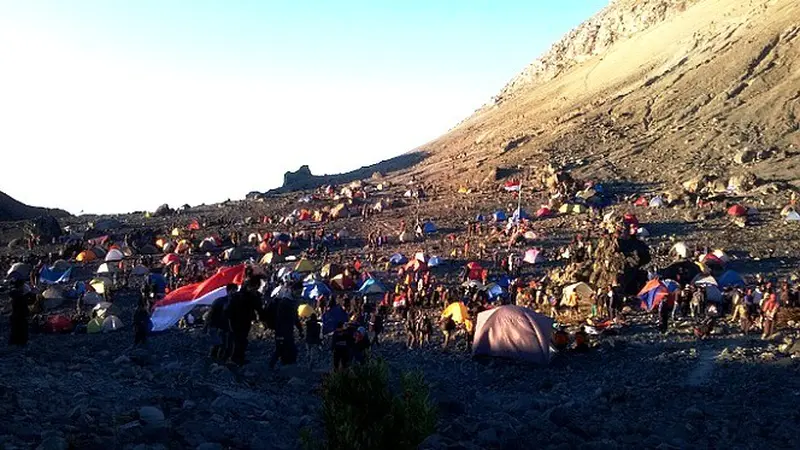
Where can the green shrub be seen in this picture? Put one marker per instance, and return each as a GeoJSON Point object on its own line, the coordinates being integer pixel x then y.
{"type": "Point", "coordinates": [361, 411]}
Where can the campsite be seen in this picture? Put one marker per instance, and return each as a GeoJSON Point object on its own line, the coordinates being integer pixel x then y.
{"type": "Point", "coordinates": [604, 255]}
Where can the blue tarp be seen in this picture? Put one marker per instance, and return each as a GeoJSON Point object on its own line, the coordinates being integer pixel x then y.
{"type": "Point", "coordinates": [730, 279]}
{"type": "Point", "coordinates": [500, 216]}
{"type": "Point", "coordinates": [428, 228]}
{"type": "Point", "coordinates": [50, 276]}
{"type": "Point", "coordinates": [398, 259]}
{"type": "Point", "coordinates": [315, 289]}
{"type": "Point", "coordinates": [331, 318]}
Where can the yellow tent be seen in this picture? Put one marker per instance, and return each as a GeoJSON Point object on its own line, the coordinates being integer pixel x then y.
{"type": "Point", "coordinates": [565, 208]}
{"type": "Point", "coordinates": [463, 190]}
{"type": "Point", "coordinates": [183, 246]}
{"type": "Point", "coordinates": [100, 285]}
{"type": "Point", "coordinates": [456, 311]}
{"type": "Point", "coordinates": [176, 232]}
{"type": "Point", "coordinates": [86, 256]}
{"type": "Point", "coordinates": [703, 268]}
{"type": "Point", "coordinates": [339, 210]}
{"type": "Point", "coordinates": [268, 258]}
{"type": "Point", "coordinates": [578, 209]}
{"type": "Point", "coordinates": [304, 311]}
{"type": "Point", "coordinates": [304, 265]}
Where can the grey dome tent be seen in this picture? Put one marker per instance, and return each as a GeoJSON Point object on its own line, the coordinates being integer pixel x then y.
{"type": "Point", "coordinates": [513, 332]}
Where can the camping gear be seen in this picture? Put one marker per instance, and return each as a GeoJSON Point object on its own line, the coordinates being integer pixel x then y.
{"type": "Point", "coordinates": [532, 256]}
{"type": "Point", "coordinates": [58, 324]}
{"type": "Point", "coordinates": [652, 294]}
{"type": "Point", "coordinates": [315, 289]}
{"type": "Point", "coordinates": [114, 255]}
{"type": "Point", "coordinates": [513, 332]}
{"type": "Point", "coordinates": [111, 323]}
{"type": "Point", "coordinates": [737, 211]}
{"type": "Point", "coordinates": [371, 286]}
{"type": "Point", "coordinates": [456, 311]}
{"type": "Point", "coordinates": [51, 275]}
{"type": "Point", "coordinates": [398, 259]}
{"type": "Point", "coordinates": [304, 266]}
{"type": "Point", "coordinates": [731, 279]}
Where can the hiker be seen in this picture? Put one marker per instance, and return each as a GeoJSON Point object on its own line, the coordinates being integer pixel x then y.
{"type": "Point", "coordinates": [448, 327]}
{"type": "Point", "coordinates": [424, 329]}
{"type": "Point", "coordinates": [769, 311]}
{"type": "Point", "coordinates": [411, 328]}
{"type": "Point", "coordinates": [361, 345]}
{"type": "Point", "coordinates": [218, 326]}
{"type": "Point", "coordinates": [581, 340]}
{"type": "Point", "coordinates": [741, 313]}
{"type": "Point", "coordinates": [141, 322]}
{"type": "Point", "coordinates": [313, 339]}
{"type": "Point", "coordinates": [341, 344]}
{"type": "Point", "coordinates": [242, 309]}
{"type": "Point", "coordinates": [697, 302]}
{"type": "Point", "coordinates": [21, 298]}
{"type": "Point", "coordinates": [286, 320]}
{"type": "Point", "coordinates": [377, 326]}
{"type": "Point", "coordinates": [665, 309]}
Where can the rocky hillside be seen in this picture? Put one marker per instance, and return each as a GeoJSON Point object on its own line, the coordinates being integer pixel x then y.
{"type": "Point", "coordinates": [11, 210]}
{"type": "Point", "coordinates": [651, 92]}
{"type": "Point", "coordinates": [619, 21]}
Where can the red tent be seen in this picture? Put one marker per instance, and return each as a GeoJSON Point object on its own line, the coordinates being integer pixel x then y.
{"type": "Point", "coordinates": [630, 219]}
{"type": "Point", "coordinates": [543, 212]}
{"type": "Point", "coordinates": [58, 324]}
{"type": "Point", "coordinates": [170, 258]}
{"type": "Point", "coordinates": [194, 226]}
{"type": "Point", "coordinates": [474, 271]}
{"type": "Point", "coordinates": [641, 201]}
{"type": "Point", "coordinates": [737, 211]}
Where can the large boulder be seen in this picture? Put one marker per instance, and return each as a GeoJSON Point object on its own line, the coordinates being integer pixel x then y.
{"type": "Point", "coordinates": [163, 211]}
{"type": "Point", "coordinates": [46, 227]}
{"type": "Point", "coordinates": [745, 156]}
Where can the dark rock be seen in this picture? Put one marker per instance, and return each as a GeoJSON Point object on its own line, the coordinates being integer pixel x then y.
{"type": "Point", "coordinates": [163, 211]}
{"type": "Point", "coordinates": [560, 416]}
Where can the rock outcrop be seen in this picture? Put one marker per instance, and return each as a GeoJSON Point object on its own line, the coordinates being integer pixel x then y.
{"type": "Point", "coordinates": [12, 209]}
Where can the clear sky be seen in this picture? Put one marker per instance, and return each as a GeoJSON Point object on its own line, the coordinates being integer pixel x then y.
{"type": "Point", "coordinates": [114, 106]}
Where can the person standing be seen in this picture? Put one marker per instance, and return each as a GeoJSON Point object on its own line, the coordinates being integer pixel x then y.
{"type": "Point", "coordinates": [141, 322]}
{"type": "Point", "coordinates": [242, 309]}
{"type": "Point", "coordinates": [219, 326]}
{"type": "Point", "coordinates": [286, 320]}
{"type": "Point", "coordinates": [342, 345]}
{"type": "Point", "coordinates": [313, 340]}
{"type": "Point", "coordinates": [21, 299]}
{"type": "Point", "coordinates": [769, 310]}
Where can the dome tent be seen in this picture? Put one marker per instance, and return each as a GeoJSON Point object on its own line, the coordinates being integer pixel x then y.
{"type": "Point", "coordinates": [513, 332]}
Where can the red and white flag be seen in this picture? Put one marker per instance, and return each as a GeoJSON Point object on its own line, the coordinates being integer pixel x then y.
{"type": "Point", "coordinates": [169, 310]}
{"type": "Point", "coordinates": [512, 186]}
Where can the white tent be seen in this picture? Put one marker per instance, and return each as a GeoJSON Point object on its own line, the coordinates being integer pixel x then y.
{"type": "Point", "coordinates": [106, 268]}
{"type": "Point", "coordinates": [792, 216]}
{"type": "Point", "coordinates": [582, 289]}
{"type": "Point", "coordinates": [111, 323]}
{"type": "Point", "coordinates": [680, 249]}
{"type": "Point", "coordinates": [114, 255]}
{"type": "Point", "coordinates": [657, 202]}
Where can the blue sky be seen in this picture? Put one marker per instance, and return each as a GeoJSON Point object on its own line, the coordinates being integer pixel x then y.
{"type": "Point", "coordinates": [199, 101]}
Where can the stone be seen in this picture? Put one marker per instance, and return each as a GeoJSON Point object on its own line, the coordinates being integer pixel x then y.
{"type": "Point", "coordinates": [694, 413]}
{"type": "Point", "coordinates": [434, 441]}
{"type": "Point", "coordinates": [223, 403]}
{"type": "Point", "coordinates": [560, 416]}
{"type": "Point", "coordinates": [745, 156]}
{"type": "Point", "coordinates": [54, 443]}
{"type": "Point", "coordinates": [488, 437]}
{"type": "Point", "coordinates": [122, 359]}
{"type": "Point", "coordinates": [296, 383]}
{"type": "Point", "coordinates": [209, 446]}
{"type": "Point", "coordinates": [152, 417]}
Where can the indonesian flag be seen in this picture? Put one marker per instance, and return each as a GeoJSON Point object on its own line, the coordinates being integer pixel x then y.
{"type": "Point", "coordinates": [169, 310]}
{"type": "Point", "coordinates": [512, 186]}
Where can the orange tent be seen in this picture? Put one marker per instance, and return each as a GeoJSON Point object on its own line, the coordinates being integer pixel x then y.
{"type": "Point", "coordinates": [161, 242]}
{"type": "Point", "coordinates": [264, 247]}
{"type": "Point", "coordinates": [194, 226]}
{"type": "Point", "coordinates": [416, 265]}
{"type": "Point", "coordinates": [304, 215]}
{"type": "Point", "coordinates": [86, 256]}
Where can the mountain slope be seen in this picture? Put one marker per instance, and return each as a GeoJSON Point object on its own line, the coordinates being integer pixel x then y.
{"type": "Point", "coordinates": [702, 81]}
{"type": "Point", "coordinates": [11, 210]}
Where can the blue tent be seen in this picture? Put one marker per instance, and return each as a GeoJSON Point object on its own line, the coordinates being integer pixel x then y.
{"type": "Point", "coordinates": [520, 214]}
{"type": "Point", "coordinates": [479, 218]}
{"type": "Point", "coordinates": [672, 285]}
{"type": "Point", "coordinates": [428, 228]}
{"type": "Point", "coordinates": [333, 317]}
{"type": "Point", "coordinates": [50, 276]}
{"type": "Point", "coordinates": [730, 279]}
{"type": "Point", "coordinates": [158, 282]}
{"type": "Point", "coordinates": [398, 259]}
{"type": "Point", "coordinates": [434, 261]}
{"type": "Point", "coordinates": [315, 289]}
{"type": "Point", "coordinates": [499, 216]}
{"type": "Point", "coordinates": [504, 282]}
{"type": "Point", "coordinates": [371, 286]}
{"type": "Point", "coordinates": [493, 291]}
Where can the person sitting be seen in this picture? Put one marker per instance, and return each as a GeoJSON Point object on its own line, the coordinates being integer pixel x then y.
{"type": "Point", "coordinates": [560, 339]}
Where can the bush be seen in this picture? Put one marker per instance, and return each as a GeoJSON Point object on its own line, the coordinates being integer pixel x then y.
{"type": "Point", "coordinates": [360, 411]}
